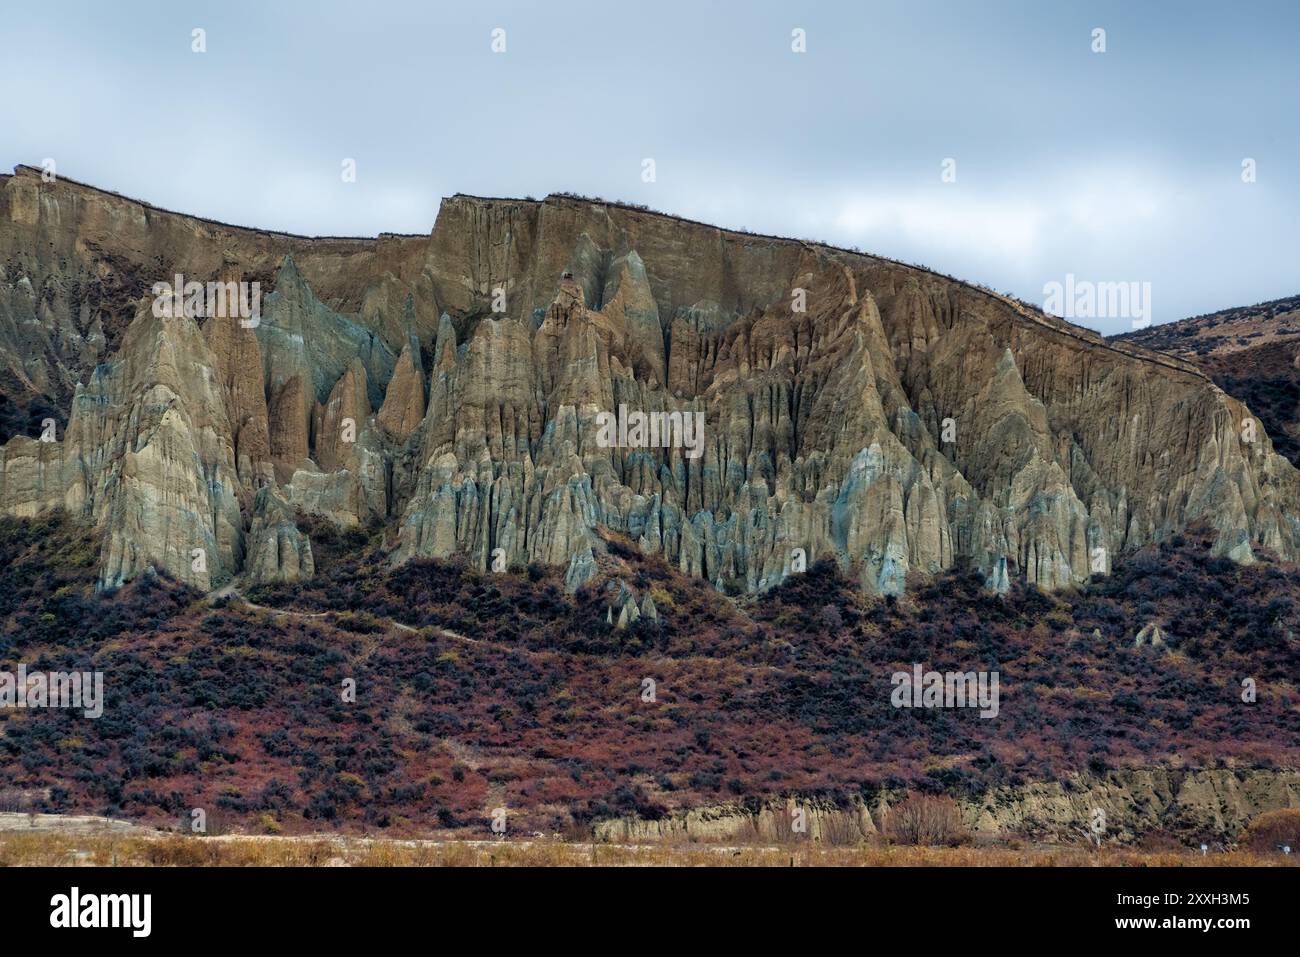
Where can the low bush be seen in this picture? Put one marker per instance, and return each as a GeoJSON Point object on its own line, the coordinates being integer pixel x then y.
{"type": "Point", "coordinates": [1273, 830]}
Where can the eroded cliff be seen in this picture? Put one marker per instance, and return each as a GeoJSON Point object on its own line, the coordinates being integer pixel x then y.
{"type": "Point", "coordinates": [451, 388]}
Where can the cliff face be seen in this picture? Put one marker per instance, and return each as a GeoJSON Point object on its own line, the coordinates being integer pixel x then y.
{"type": "Point", "coordinates": [453, 386]}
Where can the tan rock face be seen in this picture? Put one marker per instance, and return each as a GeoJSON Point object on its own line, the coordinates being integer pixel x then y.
{"type": "Point", "coordinates": [277, 551]}
{"type": "Point", "coordinates": [342, 418]}
{"type": "Point", "coordinates": [850, 407]}
{"type": "Point", "coordinates": [895, 420]}
{"type": "Point", "coordinates": [403, 407]}
{"type": "Point", "coordinates": [75, 260]}
{"type": "Point", "coordinates": [289, 436]}
{"type": "Point", "coordinates": [148, 455]}
{"type": "Point", "coordinates": [1135, 802]}
{"type": "Point", "coordinates": [238, 369]}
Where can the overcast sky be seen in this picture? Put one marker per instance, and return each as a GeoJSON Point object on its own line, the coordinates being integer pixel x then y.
{"type": "Point", "coordinates": [1117, 166]}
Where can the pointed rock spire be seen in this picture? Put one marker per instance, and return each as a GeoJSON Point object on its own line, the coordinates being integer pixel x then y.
{"type": "Point", "coordinates": [403, 406]}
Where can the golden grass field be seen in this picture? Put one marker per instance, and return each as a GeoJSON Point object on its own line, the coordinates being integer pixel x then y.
{"type": "Point", "coordinates": [45, 849]}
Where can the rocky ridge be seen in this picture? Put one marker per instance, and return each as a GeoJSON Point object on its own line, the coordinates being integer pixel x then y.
{"type": "Point", "coordinates": [448, 387]}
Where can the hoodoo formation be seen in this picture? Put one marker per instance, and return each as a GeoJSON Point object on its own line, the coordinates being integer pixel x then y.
{"type": "Point", "coordinates": [452, 387]}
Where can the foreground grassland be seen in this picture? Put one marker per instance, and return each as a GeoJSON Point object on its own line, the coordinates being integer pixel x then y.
{"type": "Point", "coordinates": [43, 849]}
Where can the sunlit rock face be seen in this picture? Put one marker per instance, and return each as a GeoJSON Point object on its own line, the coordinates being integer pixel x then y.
{"type": "Point", "coordinates": [533, 372]}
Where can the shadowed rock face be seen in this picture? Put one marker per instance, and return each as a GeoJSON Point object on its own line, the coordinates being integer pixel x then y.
{"type": "Point", "coordinates": [454, 387]}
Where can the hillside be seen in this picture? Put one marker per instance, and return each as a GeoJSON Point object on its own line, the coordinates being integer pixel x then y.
{"type": "Point", "coordinates": [401, 481]}
{"type": "Point", "coordinates": [476, 691]}
{"type": "Point", "coordinates": [1217, 335]}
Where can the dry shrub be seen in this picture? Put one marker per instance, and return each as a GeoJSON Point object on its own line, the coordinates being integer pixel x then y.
{"type": "Point", "coordinates": [1161, 840]}
{"type": "Point", "coordinates": [841, 829]}
{"type": "Point", "coordinates": [181, 852]}
{"type": "Point", "coordinates": [1274, 829]}
{"type": "Point", "coordinates": [13, 799]}
{"type": "Point", "coordinates": [928, 819]}
{"type": "Point", "coordinates": [46, 849]}
{"type": "Point", "coordinates": [748, 831]}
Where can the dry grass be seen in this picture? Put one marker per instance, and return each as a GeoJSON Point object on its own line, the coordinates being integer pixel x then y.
{"type": "Point", "coordinates": [46, 849]}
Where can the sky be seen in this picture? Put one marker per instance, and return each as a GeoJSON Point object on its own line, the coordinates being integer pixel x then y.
{"type": "Point", "coordinates": [1117, 166]}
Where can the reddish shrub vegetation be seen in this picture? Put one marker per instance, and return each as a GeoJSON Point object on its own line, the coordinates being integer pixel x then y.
{"type": "Point", "coordinates": [535, 704]}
